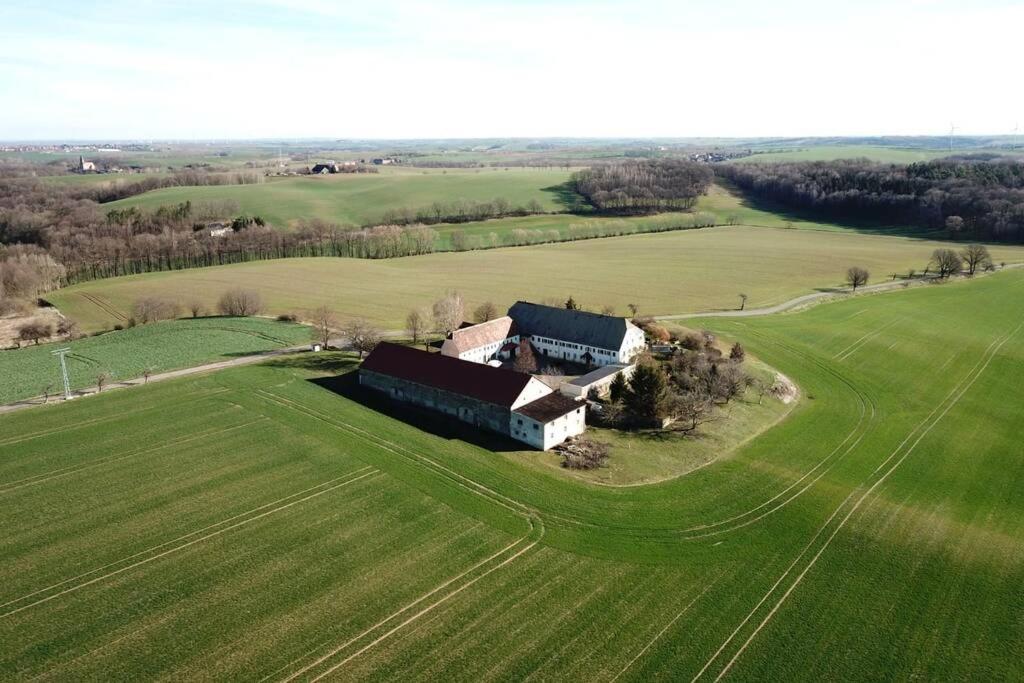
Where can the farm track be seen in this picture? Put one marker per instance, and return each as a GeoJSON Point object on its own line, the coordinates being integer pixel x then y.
{"type": "Point", "coordinates": [379, 632]}
{"type": "Point", "coordinates": [851, 504]}
{"type": "Point", "coordinates": [60, 472]}
{"type": "Point", "coordinates": [457, 583]}
{"type": "Point", "coordinates": [104, 306]}
{"type": "Point", "coordinates": [182, 542]}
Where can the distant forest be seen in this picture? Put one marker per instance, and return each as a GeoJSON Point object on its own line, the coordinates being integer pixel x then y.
{"type": "Point", "coordinates": [971, 197]}
{"type": "Point", "coordinates": [643, 186]}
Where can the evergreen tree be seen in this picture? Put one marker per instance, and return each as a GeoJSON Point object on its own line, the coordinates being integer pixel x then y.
{"type": "Point", "coordinates": [646, 398]}
{"type": "Point", "coordinates": [617, 389]}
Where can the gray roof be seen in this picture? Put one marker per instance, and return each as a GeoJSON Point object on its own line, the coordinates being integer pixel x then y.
{"type": "Point", "coordinates": [598, 374]}
{"type": "Point", "coordinates": [578, 327]}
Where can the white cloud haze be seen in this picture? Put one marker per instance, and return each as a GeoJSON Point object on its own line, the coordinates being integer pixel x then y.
{"type": "Point", "coordinates": [312, 68]}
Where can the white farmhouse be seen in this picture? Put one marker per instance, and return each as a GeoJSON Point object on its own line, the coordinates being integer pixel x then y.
{"type": "Point", "coordinates": [494, 339]}
{"type": "Point", "coordinates": [579, 336]}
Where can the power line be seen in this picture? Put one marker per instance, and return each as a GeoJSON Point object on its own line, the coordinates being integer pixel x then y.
{"type": "Point", "coordinates": [61, 353]}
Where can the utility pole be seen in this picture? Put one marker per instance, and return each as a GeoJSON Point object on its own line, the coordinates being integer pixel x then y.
{"type": "Point", "coordinates": [952, 129]}
{"type": "Point", "coordinates": [61, 353]}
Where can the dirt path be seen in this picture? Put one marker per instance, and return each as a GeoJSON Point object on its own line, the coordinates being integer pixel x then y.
{"type": "Point", "coordinates": [816, 297]}
{"type": "Point", "coordinates": [158, 377]}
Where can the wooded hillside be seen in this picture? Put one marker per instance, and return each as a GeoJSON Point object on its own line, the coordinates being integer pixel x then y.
{"type": "Point", "coordinates": [643, 186]}
{"type": "Point", "coordinates": [970, 197]}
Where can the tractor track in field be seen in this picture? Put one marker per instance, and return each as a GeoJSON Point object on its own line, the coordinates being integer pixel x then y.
{"type": "Point", "coordinates": [242, 520]}
{"type": "Point", "coordinates": [851, 504]}
{"type": "Point", "coordinates": [104, 306]}
{"type": "Point", "coordinates": [323, 665]}
{"type": "Point", "coordinates": [7, 487]}
{"type": "Point", "coordinates": [462, 581]}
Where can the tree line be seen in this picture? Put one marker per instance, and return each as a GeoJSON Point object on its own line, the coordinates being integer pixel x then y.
{"type": "Point", "coordinates": [461, 211]}
{"type": "Point", "coordinates": [643, 186]}
{"type": "Point", "coordinates": [968, 197]}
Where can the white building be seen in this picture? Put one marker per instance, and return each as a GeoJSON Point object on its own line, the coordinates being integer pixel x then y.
{"type": "Point", "coordinates": [598, 381]}
{"type": "Point", "coordinates": [510, 403]}
{"type": "Point", "coordinates": [578, 336]}
{"type": "Point", "coordinates": [494, 339]}
{"type": "Point", "coordinates": [548, 421]}
{"type": "Point", "coordinates": [564, 334]}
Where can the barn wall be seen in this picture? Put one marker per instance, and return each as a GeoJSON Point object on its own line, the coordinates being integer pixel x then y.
{"type": "Point", "coordinates": [467, 409]}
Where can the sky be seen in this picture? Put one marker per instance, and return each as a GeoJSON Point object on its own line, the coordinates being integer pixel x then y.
{"type": "Point", "coordinates": [138, 69]}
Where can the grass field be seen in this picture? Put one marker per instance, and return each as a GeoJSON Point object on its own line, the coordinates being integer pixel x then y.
{"type": "Point", "coordinates": [255, 524]}
{"type": "Point", "coordinates": [125, 354]}
{"type": "Point", "coordinates": [887, 155]}
{"type": "Point", "coordinates": [357, 199]}
{"type": "Point", "coordinates": [665, 273]}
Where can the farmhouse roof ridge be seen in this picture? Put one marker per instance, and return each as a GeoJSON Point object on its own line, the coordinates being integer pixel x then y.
{"type": "Point", "coordinates": [477, 380]}
{"type": "Point", "coordinates": [549, 407]}
{"type": "Point", "coordinates": [579, 327]}
{"type": "Point", "coordinates": [481, 334]}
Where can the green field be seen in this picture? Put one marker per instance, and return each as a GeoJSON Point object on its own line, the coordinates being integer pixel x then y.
{"type": "Point", "coordinates": [357, 199]}
{"type": "Point", "coordinates": [886, 155]}
{"type": "Point", "coordinates": [665, 273]}
{"type": "Point", "coordinates": [126, 354]}
{"type": "Point", "coordinates": [253, 524]}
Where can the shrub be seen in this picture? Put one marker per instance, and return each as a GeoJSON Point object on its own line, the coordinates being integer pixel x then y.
{"type": "Point", "coordinates": [240, 302]}
{"type": "Point", "coordinates": [287, 318]}
{"type": "Point", "coordinates": [150, 309]}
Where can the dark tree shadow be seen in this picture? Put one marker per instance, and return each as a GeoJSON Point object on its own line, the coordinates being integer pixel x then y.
{"type": "Point", "coordinates": [325, 362]}
{"type": "Point", "coordinates": [564, 195]}
{"type": "Point", "coordinates": [429, 421]}
{"type": "Point", "coordinates": [866, 225]}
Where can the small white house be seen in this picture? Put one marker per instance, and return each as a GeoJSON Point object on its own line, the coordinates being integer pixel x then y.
{"type": "Point", "coordinates": [548, 421]}
{"type": "Point", "coordinates": [598, 381]}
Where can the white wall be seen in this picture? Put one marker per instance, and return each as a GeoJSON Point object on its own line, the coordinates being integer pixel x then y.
{"type": "Point", "coordinates": [533, 390]}
{"type": "Point", "coordinates": [632, 344]}
{"type": "Point", "coordinates": [480, 354]}
{"type": "Point", "coordinates": [545, 436]}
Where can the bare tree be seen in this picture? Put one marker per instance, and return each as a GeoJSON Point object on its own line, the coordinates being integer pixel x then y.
{"type": "Point", "coordinates": [361, 335]}
{"type": "Point", "coordinates": [197, 308]}
{"type": "Point", "coordinates": [737, 353]}
{"type": "Point", "coordinates": [976, 256]}
{"type": "Point", "coordinates": [325, 324]}
{"type": "Point", "coordinates": [743, 301]}
{"type": "Point", "coordinates": [607, 310]}
{"type": "Point", "coordinates": [102, 378]}
{"type": "Point", "coordinates": [47, 390]}
{"type": "Point", "coordinates": [947, 262]}
{"type": "Point", "coordinates": [526, 361]}
{"type": "Point", "coordinates": [856, 277]}
{"type": "Point", "coordinates": [449, 312]}
{"type": "Point", "coordinates": [415, 324]}
{"type": "Point", "coordinates": [150, 309]}
{"type": "Point", "coordinates": [633, 309]}
{"type": "Point", "coordinates": [691, 409]}
{"type": "Point", "coordinates": [240, 302]}
{"type": "Point", "coordinates": [484, 312]}
{"type": "Point", "coordinates": [34, 331]}
{"type": "Point", "coordinates": [147, 372]}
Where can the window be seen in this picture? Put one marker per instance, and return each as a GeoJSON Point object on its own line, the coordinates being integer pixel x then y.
{"type": "Point", "coordinates": [519, 422]}
{"type": "Point", "coordinates": [535, 427]}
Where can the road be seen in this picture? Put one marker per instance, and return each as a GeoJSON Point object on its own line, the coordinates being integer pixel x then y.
{"type": "Point", "coordinates": [792, 304]}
